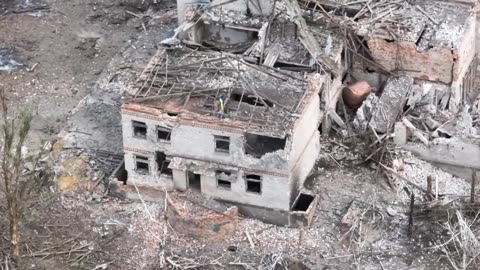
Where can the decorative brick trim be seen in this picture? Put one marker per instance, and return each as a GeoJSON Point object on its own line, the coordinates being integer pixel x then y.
{"type": "Point", "coordinates": [245, 169]}
{"type": "Point", "coordinates": [213, 127]}
{"type": "Point", "coordinates": [139, 151]}
{"type": "Point", "coordinates": [142, 115]}
{"type": "Point", "coordinates": [257, 171]}
{"type": "Point", "coordinates": [192, 123]}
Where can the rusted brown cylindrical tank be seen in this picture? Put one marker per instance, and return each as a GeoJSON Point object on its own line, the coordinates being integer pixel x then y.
{"type": "Point", "coordinates": [355, 94]}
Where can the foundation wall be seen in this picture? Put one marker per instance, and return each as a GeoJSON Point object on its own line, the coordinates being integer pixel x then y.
{"type": "Point", "coordinates": [279, 217]}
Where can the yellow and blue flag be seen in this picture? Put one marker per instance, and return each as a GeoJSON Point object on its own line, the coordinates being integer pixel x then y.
{"type": "Point", "coordinates": [221, 99]}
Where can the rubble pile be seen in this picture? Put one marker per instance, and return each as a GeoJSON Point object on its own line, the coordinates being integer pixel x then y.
{"type": "Point", "coordinates": [417, 171]}
{"type": "Point", "coordinates": [398, 66]}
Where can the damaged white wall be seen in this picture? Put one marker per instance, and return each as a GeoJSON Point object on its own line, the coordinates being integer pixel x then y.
{"type": "Point", "coordinates": [198, 144]}
{"type": "Point", "coordinates": [275, 191]}
{"type": "Point", "coordinates": [254, 7]}
{"type": "Point", "coordinates": [305, 145]}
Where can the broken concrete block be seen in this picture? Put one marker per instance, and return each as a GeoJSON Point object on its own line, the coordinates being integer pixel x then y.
{"type": "Point", "coordinates": [401, 134]}
{"type": "Point", "coordinates": [391, 103]}
{"type": "Point", "coordinates": [355, 94]}
{"type": "Point", "coordinates": [459, 157]}
{"type": "Point", "coordinates": [364, 113]}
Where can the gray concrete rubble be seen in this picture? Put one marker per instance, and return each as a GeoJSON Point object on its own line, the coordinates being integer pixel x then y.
{"type": "Point", "coordinates": [390, 103]}
{"type": "Point", "coordinates": [459, 157]}
{"type": "Point", "coordinates": [89, 149]}
{"type": "Point", "coordinates": [324, 129]}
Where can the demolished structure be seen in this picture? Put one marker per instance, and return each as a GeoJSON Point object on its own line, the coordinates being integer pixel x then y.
{"type": "Point", "coordinates": [233, 105]}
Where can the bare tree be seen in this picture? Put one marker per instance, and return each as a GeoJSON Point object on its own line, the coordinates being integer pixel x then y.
{"type": "Point", "coordinates": [22, 174]}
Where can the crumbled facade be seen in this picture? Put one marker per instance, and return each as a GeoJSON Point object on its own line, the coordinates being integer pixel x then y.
{"type": "Point", "coordinates": [255, 148]}
{"type": "Point", "coordinates": [240, 123]}
{"type": "Point", "coordinates": [430, 41]}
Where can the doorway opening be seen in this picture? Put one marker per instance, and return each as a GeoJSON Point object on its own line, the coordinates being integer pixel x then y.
{"type": "Point", "coordinates": [194, 181]}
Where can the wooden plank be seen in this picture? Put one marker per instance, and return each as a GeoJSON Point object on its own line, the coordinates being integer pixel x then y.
{"type": "Point", "coordinates": [307, 38]}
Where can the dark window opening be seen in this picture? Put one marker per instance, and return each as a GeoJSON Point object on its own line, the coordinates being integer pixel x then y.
{"type": "Point", "coordinates": [139, 129]}
{"type": "Point", "coordinates": [303, 202]}
{"type": "Point", "coordinates": [194, 181]}
{"type": "Point", "coordinates": [142, 165]}
{"type": "Point", "coordinates": [120, 173]}
{"type": "Point", "coordinates": [224, 179]}
{"type": "Point", "coordinates": [172, 114]}
{"type": "Point", "coordinates": [245, 98]}
{"type": "Point", "coordinates": [253, 177]}
{"type": "Point", "coordinates": [162, 163]}
{"type": "Point", "coordinates": [222, 144]}
{"type": "Point", "coordinates": [224, 184]}
{"type": "Point", "coordinates": [163, 133]}
{"type": "Point", "coordinates": [258, 145]}
{"type": "Point", "coordinates": [254, 183]}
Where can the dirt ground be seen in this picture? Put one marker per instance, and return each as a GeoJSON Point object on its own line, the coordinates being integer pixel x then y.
{"type": "Point", "coordinates": [71, 45]}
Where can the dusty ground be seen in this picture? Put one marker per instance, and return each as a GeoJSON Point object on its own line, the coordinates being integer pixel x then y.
{"type": "Point", "coordinates": [70, 45]}
{"type": "Point", "coordinates": [74, 44]}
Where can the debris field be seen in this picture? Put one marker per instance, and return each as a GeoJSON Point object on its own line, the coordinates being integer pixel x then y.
{"type": "Point", "coordinates": [276, 134]}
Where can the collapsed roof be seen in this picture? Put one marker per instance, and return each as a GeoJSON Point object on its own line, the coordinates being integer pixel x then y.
{"type": "Point", "coordinates": [426, 23]}
{"type": "Point", "coordinates": [190, 83]}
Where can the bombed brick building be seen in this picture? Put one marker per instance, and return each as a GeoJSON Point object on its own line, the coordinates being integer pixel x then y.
{"type": "Point", "coordinates": [232, 130]}
{"type": "Point", "coordinates": [233, 104]}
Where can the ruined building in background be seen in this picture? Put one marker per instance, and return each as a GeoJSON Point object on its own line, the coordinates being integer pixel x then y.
{"type": "Point", "coordinates": [430, 41]}
{"type": "Point", "coordinates": [232, 105]}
